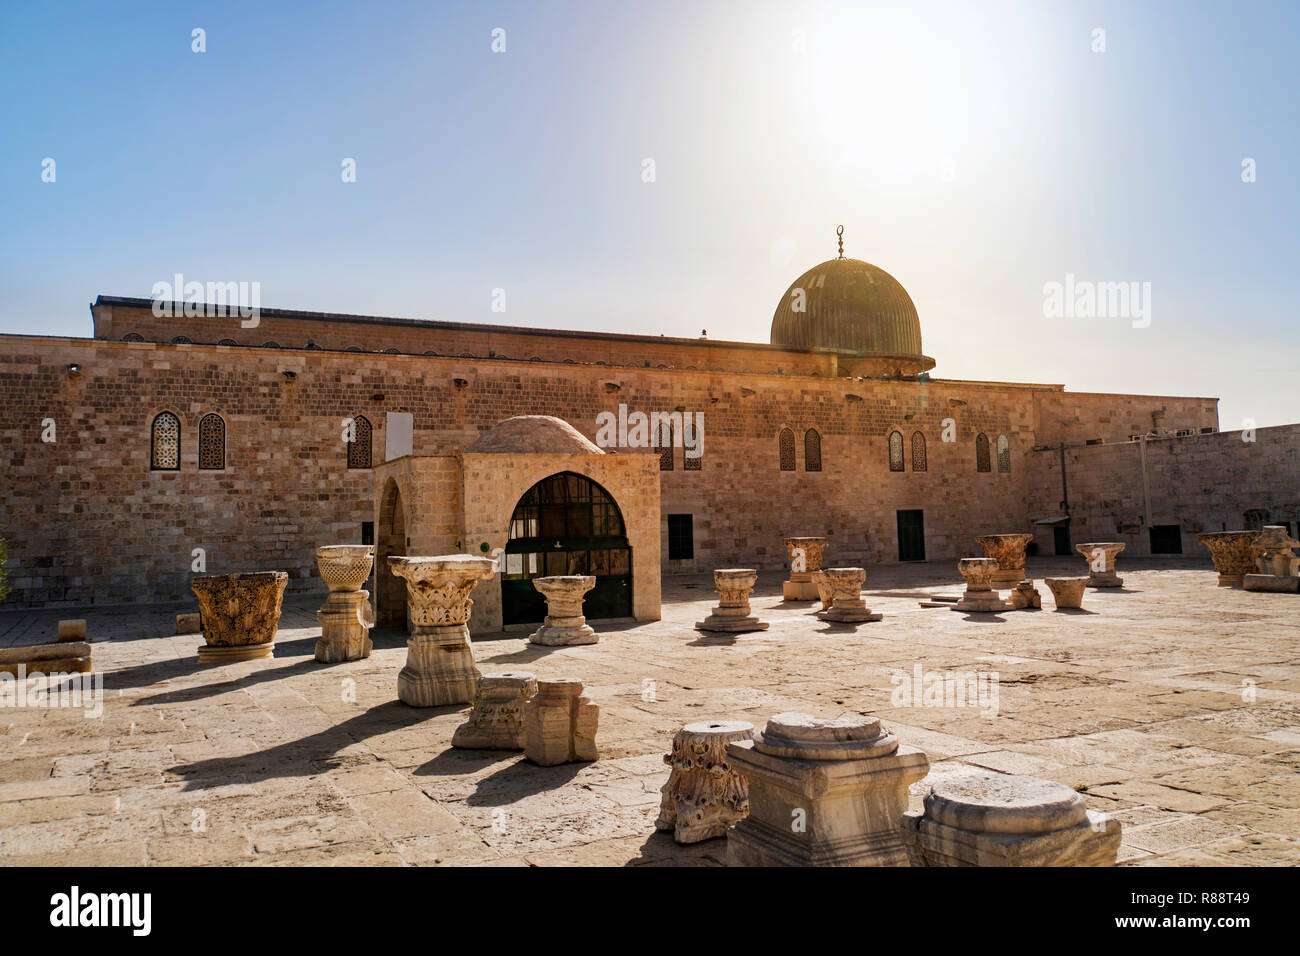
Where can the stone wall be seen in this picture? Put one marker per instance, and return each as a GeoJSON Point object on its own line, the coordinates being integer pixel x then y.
{"type": "Point", "coordinates": [1214, 482]}
{"type": "Point", "coordinates": [88, 521]}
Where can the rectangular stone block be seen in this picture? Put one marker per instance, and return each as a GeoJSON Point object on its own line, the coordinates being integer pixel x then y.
{"type": "Point", "coordinates": [46, 658]}
{"type": "Point", "coordinates": [188, 623]}
{"type": "Point", "coordinates": [72, 630]}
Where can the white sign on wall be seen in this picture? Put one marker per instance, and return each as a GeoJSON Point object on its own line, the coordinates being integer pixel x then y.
{"type": "Point", "coordinates": [399, 435]}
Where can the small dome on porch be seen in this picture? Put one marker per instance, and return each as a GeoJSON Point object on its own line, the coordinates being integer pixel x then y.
{"type": "Point", "coordinates": [533, 435]}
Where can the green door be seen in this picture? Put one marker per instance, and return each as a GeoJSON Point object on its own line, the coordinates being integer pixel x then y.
{"type": "Point", "coordinates": [911, 535]}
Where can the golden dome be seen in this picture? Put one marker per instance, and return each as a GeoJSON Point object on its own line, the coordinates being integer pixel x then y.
{"type": "Point", "coordinates": [848, 305]}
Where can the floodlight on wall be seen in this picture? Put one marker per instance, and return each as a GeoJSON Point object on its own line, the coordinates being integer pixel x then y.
{"type": "Point", "coordinates": [289, 374]}
{"type": "Point", "coordinates": [612, 386]}
{"type": "Point", "coordinates": [459, 382]}
{"type": "Point", "coordinates": [74, 369]}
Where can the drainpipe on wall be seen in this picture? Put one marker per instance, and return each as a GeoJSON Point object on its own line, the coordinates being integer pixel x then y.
{"type": "Point", "coordinates": [1146, 481]}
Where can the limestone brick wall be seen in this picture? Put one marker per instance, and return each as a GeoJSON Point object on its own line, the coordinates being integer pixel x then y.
{"type": "Point", "coordinates": [87, 521]}
{"type": "Point", "coordinates": [1202, 483]}
{"type": "Point", "coordinates": [371, 334]}
{"type": "Point", "coordinates": [1079, 417]}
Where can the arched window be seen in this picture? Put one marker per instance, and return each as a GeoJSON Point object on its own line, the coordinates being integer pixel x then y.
{"type": "Point", "coordinates": [982, 452]}
{"type": "Point", "coordinates": [918, 451]}
{"type": "Point", "coordinates": [359, 447]}
{"type": "Point", "coordinates": [227, 342]}
{"type": "Point", "coordinates": [812, 450]}
{"type": "Point", "coordinates": [182, 340]}
{"type": "Point", "coordinates": [895, 451]}
{"type": "Point", "coordinates": [1004, 455]}
{"type": "Point", "coordinates": [270, 345]}
{"type": "Point", "coordinates": [212, 442]}
{"type": "Point", "coordinates": [133, 337]}
{"type": "Point", "coordinates": [664, 442]}
{"type": "Point", "coordinates": [692, 445]}
{"type": "Point", "coordinates": [787, 449]}
{"type": "Point", "coordinates": [165, 443]}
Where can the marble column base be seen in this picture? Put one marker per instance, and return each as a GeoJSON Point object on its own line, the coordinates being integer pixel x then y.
{"type": "Point", "coordinates": [823, 793]}
{"type": "Point", "coordinates": [720, 620]}
{"type": "Point", "coordinates": [564, 632]}
{"type": "Point", "coordinates": [985, 819]}
{"type": "Point", "coordinates": [800, 587]}
{"type": "Point", "coordinates": [560, 724]}
{"type": "Point", "coordinates": [345, 620]}
{"type": "Point", "coordinates": [981, 602]}
{"type": "Point", "coordinates": [229, 653]}
{"type": "Point", "coordinates": [1025, 597]}
{"type": "Point", "coordinates": [1271, 582]}
{"type": "Point", "coordinates": [439, 667]}
{"type": "Point", "coordinates": [840, 614]}
{"type": "Point", "coordinates": [497, 720]}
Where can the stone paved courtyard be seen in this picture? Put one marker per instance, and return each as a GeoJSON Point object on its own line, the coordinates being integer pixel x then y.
{"type": "Point", "coordinates": [1140, 700]}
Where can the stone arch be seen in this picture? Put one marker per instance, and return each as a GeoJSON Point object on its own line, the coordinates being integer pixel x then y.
{"type": "Point", "coordinates": [133, 337]}
{"type": "Point", "coordinates": [390, 541]}
{"type": "Point", "coordinates": [982, 453]}
{"type": "Point", "coordinates": [227, 342]}
{"type": "Point", "coordinates": [566, 523]}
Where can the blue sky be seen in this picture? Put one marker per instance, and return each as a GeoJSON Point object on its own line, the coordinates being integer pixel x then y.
{"type": "Point", "coordinates": [975, 151]}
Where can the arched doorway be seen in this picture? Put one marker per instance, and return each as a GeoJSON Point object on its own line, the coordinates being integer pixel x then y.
{"type": "Point", "coordinates": [566, 524]}
{"type": "Point", "coordinates": [390, 590]}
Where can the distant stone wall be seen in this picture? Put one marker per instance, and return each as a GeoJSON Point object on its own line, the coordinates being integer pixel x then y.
{"type": "Point", "coordinates": [1201, 483]}
{"type": "Point", "coordinates": [88, 521]}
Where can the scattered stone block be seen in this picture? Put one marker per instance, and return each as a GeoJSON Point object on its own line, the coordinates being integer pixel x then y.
{"type": "Point", "coordinates": [993, 819]}
{"type": "Point", "coordinates": [560, 724]}
{"type": "Point", "coordinates": [497, 720]}
{"type": "Point", "coordinates": [980, 598]}
{"type": "Point", "coordinates": [240, 613]}
{"type": "Point", "coordinates": [847, 606]}
{"type": "Point", "coordinates": [805, 560]}
{"type": "Point", "coordinates": [346, 617]}
{"type": "Point", "coordinates": [191, 623]}
{"type": "Point", "coordinates": [1068, 592]}
{"type": "Point", "coordinates": [58, 658]}
{"type": "Point", "coordinates": [1026, 597]}
{"type": "Point", "coordinates": [823, 793]}
{"type": "Point", "coordinates": [440, 667]}
{"type": "Point", "coordinates": [825, 593]}
{"type": "Point", "coordinates": [565, 624]}
{"type": "Point", "coordinates": [704, 795]}
{"type": "Point", "coordinates": [1008, 550]}
{"type": "Point", "coordinates": [1276, 566]}
{"type": "Point", "coordinates": [1101, 556]}
{"type": "Point", "coordinates": [733, 613]}
{"type": "Point", "coordinates": [72, 630]}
